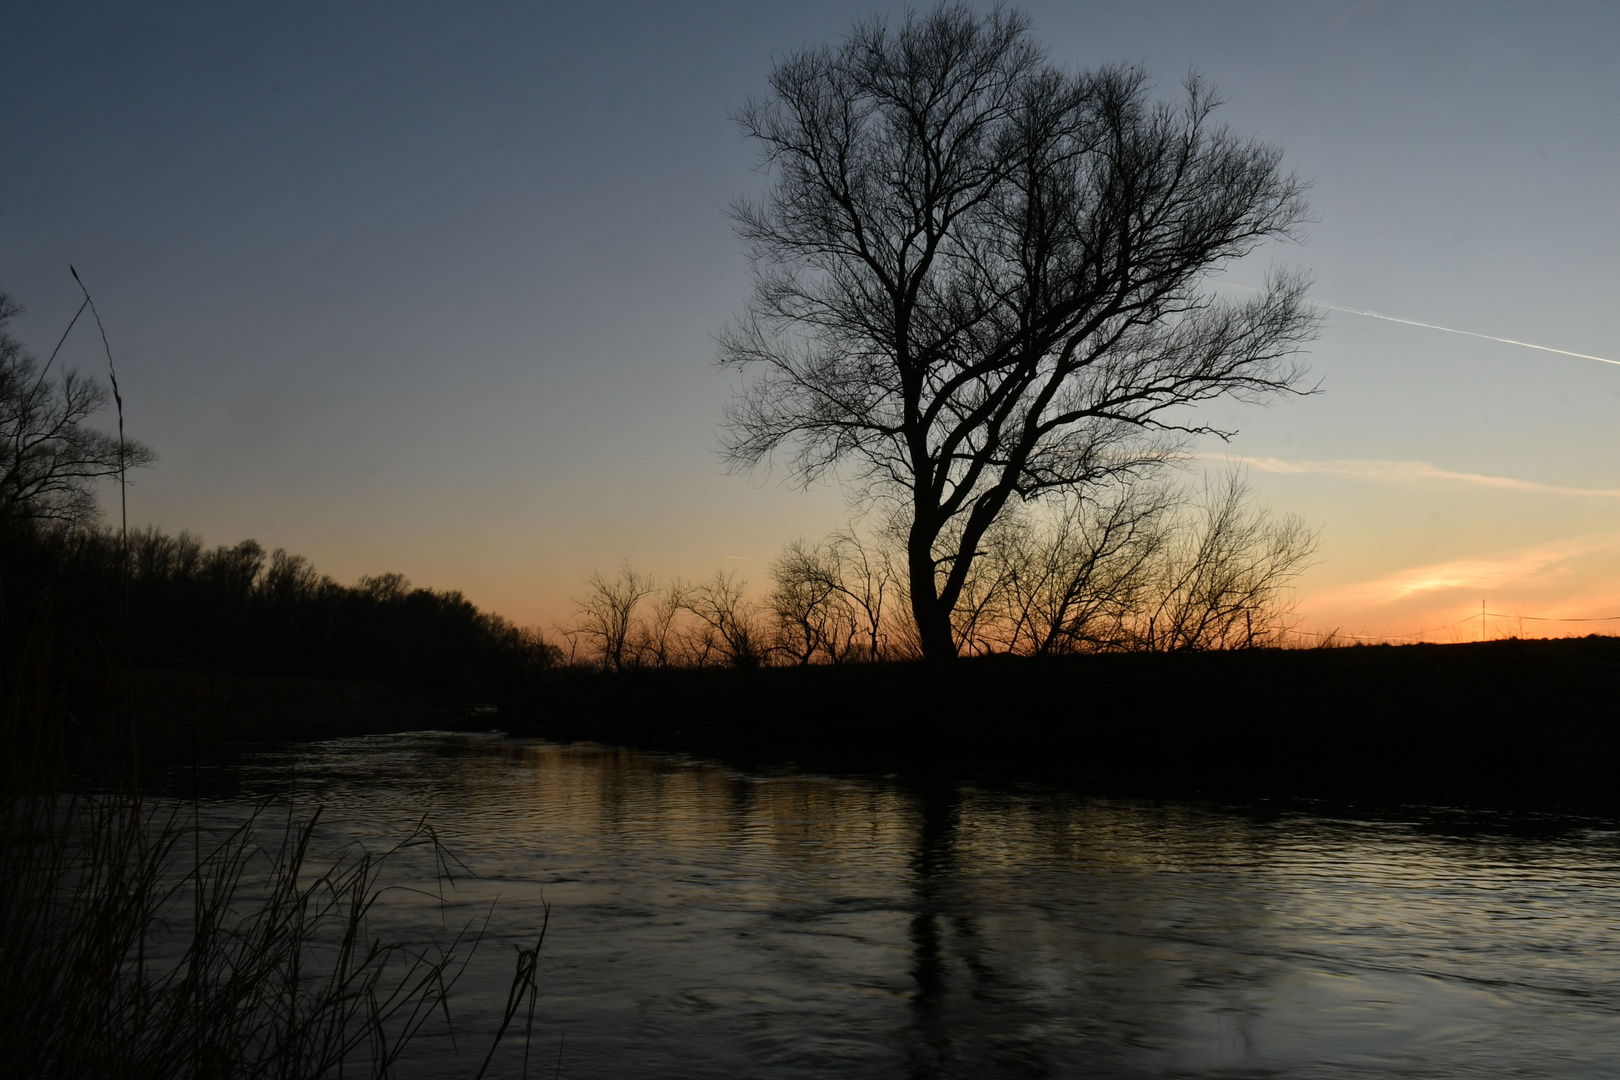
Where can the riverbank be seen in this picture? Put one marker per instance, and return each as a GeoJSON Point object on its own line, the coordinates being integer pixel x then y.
{"type": "Point", "coordinates": [1519, 724]}
{"type": "Point", "coordinates": [1505, 723]}
{"type": "Point", "coordinates": [150, 722]}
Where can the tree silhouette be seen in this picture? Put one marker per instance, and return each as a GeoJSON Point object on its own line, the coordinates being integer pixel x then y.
{"type": "Point", "coordinates": [979, 280]}
{"type": "Point", "coordinates": [50, 458]}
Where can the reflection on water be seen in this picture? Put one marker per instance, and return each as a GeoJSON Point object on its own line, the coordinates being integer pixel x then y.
{"type": "Point", "coordinates": [708, 922]}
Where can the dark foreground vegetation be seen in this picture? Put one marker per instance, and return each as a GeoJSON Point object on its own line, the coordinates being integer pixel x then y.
{"type": "Point", "coordinates": [137, 939]}
{"type": "Point", "coordinates": [1506, 723]}
{"type": "Point", "coordinates": [133, 944]}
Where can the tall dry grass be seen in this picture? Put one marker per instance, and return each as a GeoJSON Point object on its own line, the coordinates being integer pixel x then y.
{"type": "Point", "coordinates": [133, 945]}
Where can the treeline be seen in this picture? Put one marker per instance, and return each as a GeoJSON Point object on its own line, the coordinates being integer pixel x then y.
{"type": "Point", "coordinates": [172, 603]}
{"type": "Point", "coordinates": [1146, 567]}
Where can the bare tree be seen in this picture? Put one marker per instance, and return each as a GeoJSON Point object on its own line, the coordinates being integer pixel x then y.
{"type": "Point", "coordinates": [607, 615]}
{"type": "Point", "coordinates": [832, 599]}
{"type": "Point", "coordinates": [657, 640]}
{"type": "Point", "coordinates": [698, 644]}
{"type": "Point", "coordinates": [290, 579]}
{"type": "Point", "coordinates": [867, 579]}
{"type": "Point", "coordinates": [980, 279]}
{"type": "Point", "coordinates": [1223, 583]}
{"type": "Point", "coordinates": [722, 606]}
{"type": "Point", "coordinates": [50, 458]}
{"type": "Point", "coordinates": [389, 588]}
{"type": "Point", "coordinates": [814, 616]}
{"type": "Point", "coordinates": [1073, 580]}
{"type": "Point", "coordinates": [1153, 567]}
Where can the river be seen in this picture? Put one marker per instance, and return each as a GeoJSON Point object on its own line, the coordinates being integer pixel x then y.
{"type": "Point", "coordinates": [712, 922]}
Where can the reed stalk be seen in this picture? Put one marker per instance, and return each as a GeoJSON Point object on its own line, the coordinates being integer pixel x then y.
{"type": "Point", "coordinates": [122, 955]}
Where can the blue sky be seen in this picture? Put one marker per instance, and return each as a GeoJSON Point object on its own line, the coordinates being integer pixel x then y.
{"type": "Point", "coordinates": [434, 288]}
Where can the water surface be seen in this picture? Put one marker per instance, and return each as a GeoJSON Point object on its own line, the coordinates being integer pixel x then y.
{"type": "Point", "coordinates": [708, 922]}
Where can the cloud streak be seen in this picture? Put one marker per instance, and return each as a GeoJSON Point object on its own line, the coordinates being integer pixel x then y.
{"type": "Point", "coordinates": [1486, 573]}
{"type": "Point", "coordinates": [1411, 472]}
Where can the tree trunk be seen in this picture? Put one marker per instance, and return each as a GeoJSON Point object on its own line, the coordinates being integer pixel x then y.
{"type": "Point", "coordinates": [933, 616]}
{"type": "Point", "coordinates": [938, 639]}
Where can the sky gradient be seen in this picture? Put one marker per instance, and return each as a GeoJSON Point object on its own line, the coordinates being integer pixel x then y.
{"type": "Point", "coordinates": [431, 290]}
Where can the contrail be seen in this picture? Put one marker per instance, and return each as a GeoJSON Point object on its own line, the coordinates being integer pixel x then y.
{"type": "Point", "coordinates": [1447, 329]}
{"type": "Point", "coordinates": [1465, 333]}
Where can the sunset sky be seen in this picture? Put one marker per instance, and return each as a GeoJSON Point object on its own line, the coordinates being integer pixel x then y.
{"type": "Point", "coordinates": [434, 288]}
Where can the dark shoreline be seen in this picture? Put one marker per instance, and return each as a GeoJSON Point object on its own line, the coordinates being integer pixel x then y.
{"type": "Point", "coordinates": [1511, 725]}
{"type": "Point", "coordinates": [1506, 724]}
